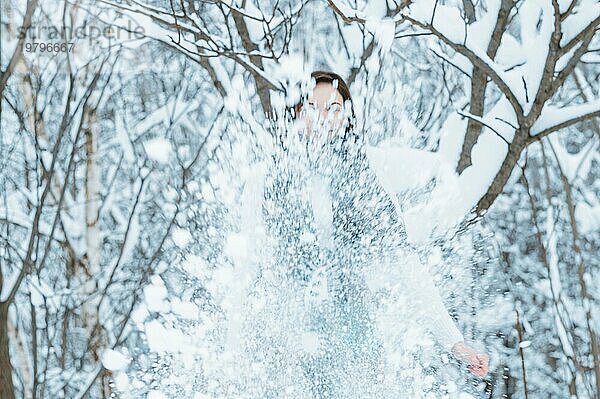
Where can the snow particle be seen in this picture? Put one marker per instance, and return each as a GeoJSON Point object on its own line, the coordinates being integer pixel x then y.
{"type": "Point", "coordinates": [158, 149]}
{"type": "Point", "coordinates": [114, 360]}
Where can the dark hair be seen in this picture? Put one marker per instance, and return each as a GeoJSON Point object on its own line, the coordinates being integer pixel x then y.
{"type": "Point", "coordinates": [342, 87]}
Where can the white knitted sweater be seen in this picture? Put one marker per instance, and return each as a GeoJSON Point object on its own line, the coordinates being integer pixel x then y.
{"type": "Point", "coordinates": [424, 295]}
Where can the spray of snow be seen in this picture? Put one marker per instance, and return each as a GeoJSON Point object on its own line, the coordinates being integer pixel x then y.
{"type": "Point", "coordinates": [267, 314]}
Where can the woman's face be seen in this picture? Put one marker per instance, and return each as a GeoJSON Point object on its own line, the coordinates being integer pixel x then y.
{"type": "Point", "coordinates": [323, 110]}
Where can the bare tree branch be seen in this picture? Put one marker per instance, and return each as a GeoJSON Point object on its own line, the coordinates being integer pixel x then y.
{"type": "Point", "coordinates": [18, 53]}
{"type": "Point", "coordinates": [564, 124]}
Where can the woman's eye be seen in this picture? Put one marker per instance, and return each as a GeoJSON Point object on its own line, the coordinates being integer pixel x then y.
{"type": "Point", "coordinates": [334, 108]}
{"type": "Point", "coordinates": [309, 110]}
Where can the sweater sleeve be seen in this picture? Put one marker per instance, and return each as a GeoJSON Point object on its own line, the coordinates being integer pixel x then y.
{"type": "Point", "coordinates": [427, 303]}
{"type": "Point", "coordinates": [423, 294]}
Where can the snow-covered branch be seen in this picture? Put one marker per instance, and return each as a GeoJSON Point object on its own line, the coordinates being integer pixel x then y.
{"type": "Point", "coordinates": [555, 118]}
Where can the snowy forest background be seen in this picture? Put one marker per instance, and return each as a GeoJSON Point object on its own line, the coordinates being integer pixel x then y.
{"type": "Point", "coordinates": [112, 158]}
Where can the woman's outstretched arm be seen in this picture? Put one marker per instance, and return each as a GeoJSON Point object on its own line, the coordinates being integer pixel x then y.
{"type": "Point", "coordinates": [426, 301]}
{"type": "Point", "coordinates": [388, 164]}
{"type": "Point", "coordinates": [429, 307]}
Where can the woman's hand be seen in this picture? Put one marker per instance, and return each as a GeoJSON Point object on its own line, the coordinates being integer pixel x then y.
{"type": "Point", "coordinates": [477, 361]}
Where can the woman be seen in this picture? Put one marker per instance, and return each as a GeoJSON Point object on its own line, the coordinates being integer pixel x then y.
{"type": "Point", "coordinates": [353, 224]}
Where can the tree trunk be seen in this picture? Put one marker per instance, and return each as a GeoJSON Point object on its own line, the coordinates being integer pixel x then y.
{"type": "Point", "coordinates": [479, 81]}
{"type": "Point", "coordinates": [7, 388]}
{"type": "Point", "coordinates": [90, 316]}
{"type": "Point", "coordinates": [501, 178]}
{"type": "Point", "coordinates": [92, 197]}
{"type": "Point", "coordinates": [478, 86]}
